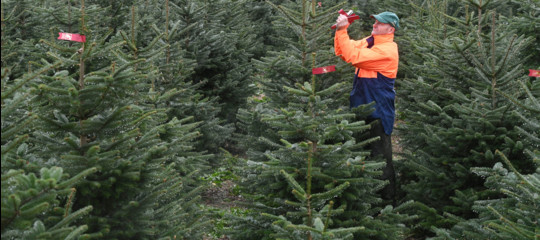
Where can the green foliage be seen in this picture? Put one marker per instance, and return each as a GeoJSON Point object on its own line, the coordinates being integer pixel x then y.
{"type": "Point", "coordinates": [455, 117]}
{"type": "Point", "coordinates": [305, 171]}
{"type": "Point", "coordinates": [512, 217]}
{"type": "Point", "coordinates": [515, 214]}
{"type": "Point", "coordinates": [26, 199]}
{"type": "Point", "coordinates": [36, 201]}
{"type": "Point", "coordinates": [91, 111]}
{"type": "Point", "coordinates": [119, 137]}
{"type": "Point", "coordinates": [317, 161]}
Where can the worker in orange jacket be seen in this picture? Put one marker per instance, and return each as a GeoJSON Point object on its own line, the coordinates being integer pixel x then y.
{"type": "Point", "coordinates": [376, 60]}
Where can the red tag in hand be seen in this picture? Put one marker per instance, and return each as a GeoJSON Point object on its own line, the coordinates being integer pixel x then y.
{"type": "Point", "coordinates": [71, 37]}
{"type": "Point", "coordinates": [323, 70]}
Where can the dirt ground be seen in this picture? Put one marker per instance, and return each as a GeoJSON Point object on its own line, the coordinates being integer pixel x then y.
{"type": "Point", "coordinates": [221, 196]}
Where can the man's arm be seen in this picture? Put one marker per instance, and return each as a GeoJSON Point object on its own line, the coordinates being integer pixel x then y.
{"type": "Point", "coordinates": [377, 58]}
{"type": "Point", "coordinates": [342, 40]}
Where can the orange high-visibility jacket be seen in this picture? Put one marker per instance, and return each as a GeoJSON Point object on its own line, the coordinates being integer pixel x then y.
{"type": "Point", "coordinates": [376, 60]}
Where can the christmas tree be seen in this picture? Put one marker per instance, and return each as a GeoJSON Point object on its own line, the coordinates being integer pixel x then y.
{"type": "Point", "coordinates": [515, 215]}
{"type": "Point", "coordinates": [94, 114]}
{"type": "Point", "coordinates": [454, 119]}
{"type": "Point", "coordinates": [305, 171]}
{"type": "Point", "coordinates": [216, 42]}
{"type": "Point", "coordinates": [114, 114]}
{"type": "Point", "coordinates": [36, 201]}
{"type": "Point", "coordinates": [512, 217]}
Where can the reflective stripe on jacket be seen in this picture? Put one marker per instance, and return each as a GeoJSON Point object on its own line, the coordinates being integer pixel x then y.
{"type": "Point", "coordinates": [376, 60]}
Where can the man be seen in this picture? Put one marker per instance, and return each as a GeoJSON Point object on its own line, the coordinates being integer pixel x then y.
{"type": "Point", "coordinates": [376, 61]}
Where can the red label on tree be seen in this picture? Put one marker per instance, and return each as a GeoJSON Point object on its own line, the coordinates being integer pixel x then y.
{"type": "Point", "coordinates": [71, 37]}
{"type": "Point", "coordinates": [534, 73]}
{"type": "Point", "coordinates": [323, 70]}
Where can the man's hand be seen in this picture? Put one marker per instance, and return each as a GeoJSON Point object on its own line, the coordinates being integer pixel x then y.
{"type": "Point", "coordinates": [342, 22]}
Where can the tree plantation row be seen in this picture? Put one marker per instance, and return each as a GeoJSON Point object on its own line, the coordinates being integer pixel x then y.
{"type": "Point", "coordinates": [121, 119]}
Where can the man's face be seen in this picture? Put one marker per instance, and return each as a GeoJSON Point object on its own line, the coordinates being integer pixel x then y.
{"type": "Point", "coordinates": [380, 28]}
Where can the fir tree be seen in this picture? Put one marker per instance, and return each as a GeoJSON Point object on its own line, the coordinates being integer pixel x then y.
{"type": "Point", "coordinates": [211, 42]}
{"type": "Point", "coordinates": [326, 159]}
{"type": "Point", "coordinates": [454, 118]}
{"type": "Point", "coordinates": [174, 167]}
{"type": "Point", "coordinates": [289, 63]}
{"type": "Point", "coordinates": [171, 91]}
{"type": "Point", "coordinates": [302, 153]}
{"type": "Point", "coordinates": [94, 112]}
{"type": "Point", "coordinates": [36, 201]}
{"type": "Point", "coordinates": [515, 215]}
{"type": "Point", "coordinates": [512, 217]}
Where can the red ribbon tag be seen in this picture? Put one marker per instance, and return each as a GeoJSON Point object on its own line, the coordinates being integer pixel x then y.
{"type": "Point", "coordinates": [323, 70]}
{"type": "Point", "coordinates": [71, 37]}
{"type": "Point", "coordinates": [534, 73]}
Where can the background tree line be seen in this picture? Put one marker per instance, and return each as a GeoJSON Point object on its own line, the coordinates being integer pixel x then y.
{"type": "Point", "coordinates": [120, 136]}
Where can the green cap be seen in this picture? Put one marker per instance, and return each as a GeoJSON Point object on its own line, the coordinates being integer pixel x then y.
{"type": "Point", "coordinates": [387, 17]}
